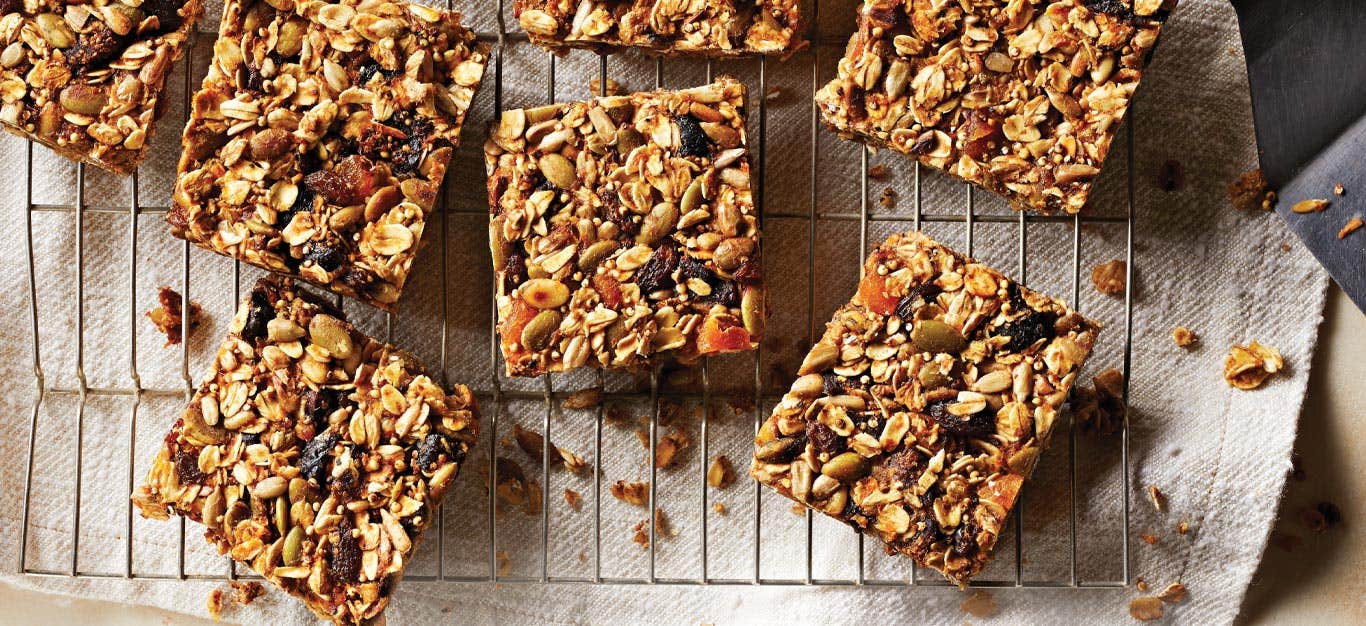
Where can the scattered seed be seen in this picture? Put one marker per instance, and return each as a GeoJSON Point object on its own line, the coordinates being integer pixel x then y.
{"type": "Point", "coordinates": [1175, 593]}
{"type": "Point", "coordinates": [1148, 538]}
{"type": "Point", "coordinates": [877, 172]}
{"type": "Point", "coordinates": [1312, 205]}
{"type": "Point", "coordinates": [573, 499]}
{"type": "Point", "coordinates": [636, 493]}
{"type": "Point", "coordinates": [1184, 337]}
{"type": "Point", "coordinates": [1339, 190]}
{"type": "Point", "coordinates": [1157, 499]}
{"type": "Point", "coordinates": [1183, 527]}
{"type": "Point", "coordinates": [720, 475]}
{"type": "Point", "coordinates": [1350, 227]}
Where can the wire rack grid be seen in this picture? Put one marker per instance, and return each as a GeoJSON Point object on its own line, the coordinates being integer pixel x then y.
{"type": "Point", "coordinates": [498, 393]}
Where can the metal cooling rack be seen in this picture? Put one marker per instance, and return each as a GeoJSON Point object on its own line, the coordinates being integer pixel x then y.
{"type": "Point", "coordinates": [504, 43]}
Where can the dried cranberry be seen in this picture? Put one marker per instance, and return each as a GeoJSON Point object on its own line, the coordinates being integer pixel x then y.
{"type": "Point", "coordinates": [1027, 330]}
{"type": "Point", "coordinates": [349, 183]}
{"type": "Point", "coordinates": [514, 272]}
{"type": "Point", "coordinates": [977, 425]}
{"type": "Point", "coordinates": [723, 292]}
{"type": "Point", "coordinates": [259, 312]}
{"type": "Point", "coordinates": [823, 438]}
{"type": "Point", "coordinates": [692, 139]}
{"type": "Point", "coordinates": [187, 466]}
{"type": "Point", "coordinates": [657, 273]}
{"type": "Point", "coordinates": [918, 297]}
{"type": "Point", "coordinates": [429, 453]}
{"type": "Point", "coordinates": [319, 405]}
{"type": "Point", "coordinates": [344, 566]}
{"type": "Point", "coordinates": [313, 460]}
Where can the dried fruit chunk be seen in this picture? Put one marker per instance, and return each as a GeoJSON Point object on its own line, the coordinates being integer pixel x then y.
{"type": "Point", "coordinates": [314, 156]}
{"type": "Point", "coordinates": [351, 456]}
{"type": "Point", "coordinates": [939, 366]}
{"type": "Point", "coordinates": [628, 223]}
{"type": "Point", "coordinates": [709, 29]}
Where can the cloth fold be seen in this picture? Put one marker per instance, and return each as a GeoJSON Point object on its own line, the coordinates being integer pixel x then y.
{"type": "Point", "coordinates": [1219, 455]}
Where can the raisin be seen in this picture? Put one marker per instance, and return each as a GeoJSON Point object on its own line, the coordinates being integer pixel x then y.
{"type": "Point", "coordinates": [313, 460]}
{"type": "Point", "coordinates": [824, 439]}
{"type": "Point", "coordinates": [187, 466]}
{"type": "Point", "coordinates": [692, 140]}
{"type": "Point", "coordinates": [924, 144]}
{"type": "Point", "coordinates": [1114, 8]}
{"type": "Point", "coordinates": [255, 82]}
{"type": "Point", "coordinates": [259, 312]}
{"type": "Point", "coordinates": [369, 70]}
{"type": "Point", "coordinates": [751, 272]}
{"type": "Point", "coordinates": [95, 45]}
{"type": "Point", "coordinates": [1016, 298]}
{"type": "Point", "coordinates": [657, 273]}
{"type": "Point", "coordinates": [1027, 330]}
{"type": "Point", "coordinates": [614, 213]}
{"type": "Point", "coordinates": [325, 255]}
{"type": "Point", "coordinates": [514, 272]}
{"type": "Point", "coordinates": [831, 385]}
{"type": "Point", "coordinates": [429, 453]}
{"type": "Point", "coordinates": [11, 6]}
{"type": "Point", "coordinates": [977, 425]}
{"type": "Point", "coordinates": [349, 183]}
{"type": "Point", "coordinates": [965, 540]}
{"type": "Point", "coordinates": [167, 13]}
{"type": "Point", "coordinates": [309, 162]}
{"type": "Point", "coordinates": [407, 157]}
{"type": "Point", "coordinates": [319, 405]}
{"type": "Point", "coordinates": [723, 292]}
{"type": "Point", "coordinates": [928, 529]}
{"type": "Point", "coordinates": [251, 439]}
{"type": "Point", "coordinates": [344, 566]}
{"type": "Point", "coordinates": [921, 295]}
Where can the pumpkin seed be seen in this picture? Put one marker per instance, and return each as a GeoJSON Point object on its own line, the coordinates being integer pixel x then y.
{"type": "Point", "coordinates": [291, 38]}
{"type": "Point", "coordinates": [847, 467]}
{"type": "Point", "coordinates": [331, 334]}
{"type": "Point", "coordinates": [937, 337]}
{"type": "Point", "coordinates": [558, 170]}
{"type": "Point", "coordinates": [13, 55]}
{"type": "Point", "coordinates": [724, 136]}
{"type": "Point", "coordinates": [931, 378]}
{"type": "Point", "coordinates": [781, 450]}
{"type": "Point", "coordinates": [595, 254]}
{"type": "Point", "coordinates": [819, 359]}
{"type": "Point", "coordinates": [658, 223]}
{"type": "Point", "coordinates": [628, 139]}
{"type": "Point", "coordinates": [545, 293]}
{"type": "Point", "coordinates": [541, 113]}
{"type": "Point", "coordinates": [55, 30]}
{"type": "Point", "coordinates": [752, 311]}
{"type": "Point", "coordinates": [82, 98]}
{"type": "Point", "coordinates": [730, 253]}
{"type": "Point", "coordinates": [293, 544]}
{"type": "Point", "coordinates": [692, 197]}
{"type": "Point", "coordinates": [536, 334]}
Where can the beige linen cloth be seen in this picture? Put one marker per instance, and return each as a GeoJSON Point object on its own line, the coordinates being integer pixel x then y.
{"type": "Point", "coordinates": [1219, 455]}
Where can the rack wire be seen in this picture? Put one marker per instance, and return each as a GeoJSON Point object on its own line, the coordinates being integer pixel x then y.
{"type": "Point", "coordinates": [498, 393]}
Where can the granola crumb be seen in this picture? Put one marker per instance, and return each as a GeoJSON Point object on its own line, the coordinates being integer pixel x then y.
{"type": "Point", "coordinates": [1350, 227]}
{"type": "Point", "coordinates": [595, 88]}
{"type": "Point", "coordinates": [775, 95]}
{"type": "Point", "coordinates": [631, 492]}
{"type": "Point", "coordinates": [1109, 278]}
{"type": "Point", "coordinates": [1339, 190]}
{"type": "Point", "coordinates": [1171, 176]}
{"type": "Point", "coordinates": [980, 604]}
{"type": "Point", "coordinates": [1148, 538]}
{"type": "Point", "coordinates": [1145, 608]}
{"type": "Point", "coordinates": [1141, 584]}
{"type": "Point", "coordinates": [573, 499]}
{"type": "Point", "coordinates": [1100, 408]}
{"type": "Point", "coordinates": [1183, 527]}
{"type": "Point", "coordinates": [1175, 593]}
{"type": "Point", "coordinates": [1269, 201]}
{"type": "Point", "coordinates": [1247, 367]}
{"type": "Point", "coordinates": [720, 508]}
{"type": "Point", "coordinates": [1249, 192]}
{"type": "Point", "coordinates": [1157, 499]}
{"type": "Point", "coordinates": [888, 198]}
{"type": "Point", "coordinates": [663, 527]}
{"type": "Point", "coordinates": [877, 172]}
{"type": "Point", "coordinates": [504, 563]}
{"type": "Point", "coordinates": [247, 592]}
{"type": "Point", "coordinates": [532, 443]}
{"type": "Point", "coordinates": [583, 398]}
{"type": "Point", "coordinates": [721, 474]}
{"type": "Point", "coordinates": [1285, 247]}
{"type": "Point", "coordinates": [668, 447]}
{"type": "Point", "coordinates": [215, 604]}
{"type": "Point", "coordinates": [167, 317]}
{"type": "Point", "coordinates": [1184, 337]}
{"type": "Point", "coordinates": [1311, 205]}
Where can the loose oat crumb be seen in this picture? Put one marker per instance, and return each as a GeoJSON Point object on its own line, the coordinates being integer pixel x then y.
{"type": "Point", "coordinates": [595, 88]}
{"type": "Point", "coordinates": [1311, 205]}
{"type": "Point", "coordinates": [1183, 527]}
{"type": "Point", "coordinates": [720, 508]}
{"type": "Point", "coordinates": [532, 443]}
{"type": "Point", "coordinates": [877, 172]}
{"type": "Point", "coordinates": [1184, 337]}
{"type": "Point", "coordinates": [1249, 191]}
{"type": "Point", "coordinates": [888, 198]}
{"type": "Point", "coordinates": [583, 398]}
{"type": "Point", "coordinates": [640, 535]}
{"type": "Point", "coordinates": [1175, 593]}
{"type": "Point", "coordinates": [720, 475]}
{"type": "Point", "coordinates": [1350, 227]}
{"type": "Point", "coordinates": [167, 317]}
{"type": "Point", "coordinates": [636, 493]}
{"type": "Point", "coordinates": [1148, 538]}
{"type": "Point", "coordinates": [1141, 584]}
{"type": "Point", "coordinates": [215, 604]}
{"type": "Point", "coordinates": [775, 95]}
{"type": "Point", "coordinates": [1100, 408]}
{"type": "Point", "coordinates": [668, 447]}
{"type": "Point", "coordinates": [247, 592]}
{"type": "Point", "coordinates": [1339, 190]}
{"type": "Point", "coordinates": [573, 499]}
{"type": "Point", "coordinates": [1171, 176]}
{"type": "Point", "coordinates": [1109, 278]}
{"type": "Point", "coordinates": [1145, 608]}
{"type": "Point", "coordinates": [1247, 367]}
{"type": "Point", "coordinates": [979, 604]}
{"type": "Point", "coordinates": [1157, 499]}
{"type": "Point", "coordinates": [663, 527]}
{"type": "Point", "coordinates": [504, 563]}
{"type": "Point", "coordinates": [583, 557]}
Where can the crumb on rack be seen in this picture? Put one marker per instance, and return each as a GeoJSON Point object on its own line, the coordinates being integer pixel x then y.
{"type": "Point", "coordinates": [1350, 227]}
{"type": "Point", "coordinates": [888, 198]}
{"type": "Point", "coordinates": [573, 499]}
{"type": "Point", "coordinates": [877, 172]}
{"type": "Point", "coordinates": [1339, 190]}
{"type": "Point", "coordinates": [247, 591]}
{"type": "Point", "coordinates": [583, 398]}
{"type": "Point", "coordinates": [1171, 176]}
{"type": "Point", "coordinates": [1184, 337]}
{"type": "Point", "coordinates": [1157, 499]}
{"type": "Point", "coordinates": [721, 474]}
{"type": "Point", "coordinates": [1311, 205]}
{"type": "Point", "coordinates": [1247, 367]}
{"type": "Point", "coordinates": [631, 492]}
{"type": "Point", "coordinates": [1110, 277]}
{"type": "Point", "coordinates": [167, 316]}
{"type": "Point", "coordinates": [1145, 608]}
{"type": "Point", "coordinates": [1250, 192]}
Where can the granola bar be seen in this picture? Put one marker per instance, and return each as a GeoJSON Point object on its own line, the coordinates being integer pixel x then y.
{"type": "Point", "coordinates": [320, 136]}
{"type": "Point", "coordinates": [623, 228]}
{"type": "Point", "coordinates": [86, 77]}
{"type": "Point", "coordinates": [683, 27]}
{"type": "Point", "coordinates": [924, 407]}
{"type": "Point", "coordinates": [313, 454]}
{"type": "Point", "coordinates": [1020, 97]}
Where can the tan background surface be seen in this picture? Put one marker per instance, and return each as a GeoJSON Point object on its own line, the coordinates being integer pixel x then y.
{"type": "Point", "coordinates": [1321, 580]}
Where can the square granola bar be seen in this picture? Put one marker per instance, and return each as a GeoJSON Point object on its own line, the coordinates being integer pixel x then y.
{"type": "Point", "coordinates": [1020, 97]}
{"type": "Point", "coordinates": [313, 454]}
{"type": "Point", "coordinates": [671, 27]}
{"type": "Point", "coordinates": [623, 228]}
{"type": "Point", "coordinates": [86, 78]}
{"type": "Point", "coordinates": [320, 137]}
{"type": "Point", "coordinates": [924, 407]}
